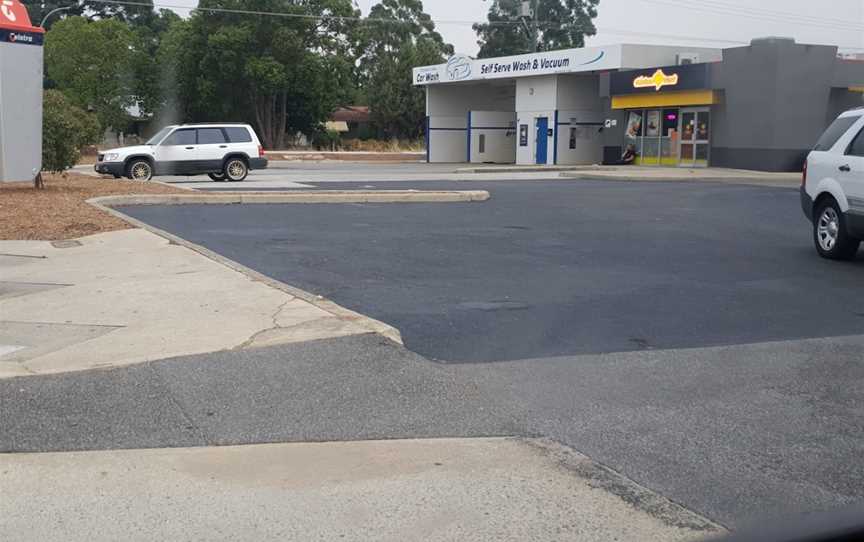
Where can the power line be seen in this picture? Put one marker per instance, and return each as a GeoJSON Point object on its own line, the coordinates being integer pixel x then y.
{"type": "Point", "coordinates": [309, 16]}
{"type": "Point", "coordinates": [774, 13]}
{"type": "Point", "coordinates": [345, 18]}
{"type": "Point", "coordinates": [726, 9]}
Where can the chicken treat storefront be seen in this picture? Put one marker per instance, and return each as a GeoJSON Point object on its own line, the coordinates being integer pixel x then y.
{"type": "Point", "coordinates": [759, 107]}
{"type": "Point", "coordinates": [667, 114]}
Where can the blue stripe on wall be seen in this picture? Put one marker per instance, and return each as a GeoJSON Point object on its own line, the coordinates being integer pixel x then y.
{"type": "Point", "coordinates": [555, 141]}
{"type": "Point", "coordinates": [469, 137]}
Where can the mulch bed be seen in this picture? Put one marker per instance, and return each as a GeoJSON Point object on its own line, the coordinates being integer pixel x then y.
{"type": "Point", "coordinates": [60, 210]}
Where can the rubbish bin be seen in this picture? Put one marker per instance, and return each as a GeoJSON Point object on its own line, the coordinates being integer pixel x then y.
{"type": "Point", "coordinates": [20, 93]}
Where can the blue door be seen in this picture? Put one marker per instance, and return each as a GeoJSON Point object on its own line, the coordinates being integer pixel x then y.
{"type": "Point", "coordinates": [542, 139]}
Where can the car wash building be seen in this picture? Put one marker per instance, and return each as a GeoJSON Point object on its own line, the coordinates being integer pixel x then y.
{"type": "Point", "coordinates": [760, 106]}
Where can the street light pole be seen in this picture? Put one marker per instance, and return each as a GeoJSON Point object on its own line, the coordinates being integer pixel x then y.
{"type": "Point", "coordinates": [52, 12]}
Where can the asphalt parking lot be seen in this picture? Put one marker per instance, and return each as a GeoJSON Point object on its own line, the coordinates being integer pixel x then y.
{"type": "Point", "coordinates": [741, 397]}
{"type": "Point", "coordinates": [553, 268]}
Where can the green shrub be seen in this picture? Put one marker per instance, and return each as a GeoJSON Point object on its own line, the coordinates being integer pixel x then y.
{"type": "Point", "coordinates": [66, 129]}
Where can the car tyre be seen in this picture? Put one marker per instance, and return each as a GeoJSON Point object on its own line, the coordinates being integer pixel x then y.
{"type": "Point", "coordinates": [139, 170]}
{"type": "Point", "coordinates": [829, 232]}
{"type": "Point", "coordinates": [236, 169]}
{"type": "Point", "coordinates": [218, 177]}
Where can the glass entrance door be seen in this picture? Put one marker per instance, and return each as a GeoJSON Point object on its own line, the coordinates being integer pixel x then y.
{"type": "Point", "coordinates": [695, 137]}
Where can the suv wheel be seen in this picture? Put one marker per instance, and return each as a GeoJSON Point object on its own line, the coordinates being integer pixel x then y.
{"type": "Point", "coordinates": [218, 177]}
{"type": "Point", "coordinates": [236, 169]}
{"type": "Point", "coordinates": [829, 232]}
{"type": "Point", "coordinates": [139, 170]}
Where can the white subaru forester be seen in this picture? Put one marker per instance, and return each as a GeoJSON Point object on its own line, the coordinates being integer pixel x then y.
{"type": "Point", "coordinates": [225, 152]}
{"type": "Point", "coordinates": [832, 187]}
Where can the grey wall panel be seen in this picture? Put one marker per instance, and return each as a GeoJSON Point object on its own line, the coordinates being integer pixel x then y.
{"type": "Point", "coordinates": [759, 159]}
{"type": "Point", "coordinates": [20, 111]}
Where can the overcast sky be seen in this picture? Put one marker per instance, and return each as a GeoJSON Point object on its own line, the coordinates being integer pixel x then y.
{"type": "Point", "coordinates": [674, 22]}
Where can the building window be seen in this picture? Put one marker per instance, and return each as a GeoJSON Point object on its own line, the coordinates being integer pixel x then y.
{"type": "Point", "coordinates": [482, 143]}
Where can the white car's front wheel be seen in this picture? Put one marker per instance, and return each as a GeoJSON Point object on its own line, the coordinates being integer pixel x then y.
{"type": "Point", "coordinates": [140, 170]}
{"type": "Point", "coordinates": [236, 169]}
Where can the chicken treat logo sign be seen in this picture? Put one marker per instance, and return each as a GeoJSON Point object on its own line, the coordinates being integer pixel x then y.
{"type": "Point", "coordinates": [658, 80]}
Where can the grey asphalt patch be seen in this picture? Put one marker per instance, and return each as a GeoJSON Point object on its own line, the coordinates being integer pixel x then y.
{"type": "Point", "coordinates": [729, 432]}
{"type": "Point", "coordinates": [128, 408]}
{"type": "Point", "coordinates": [361, 387]}
{"type": "Point", "coordinates": [552, 268]}
{"type": "Point", "coordinates": [364, 388]}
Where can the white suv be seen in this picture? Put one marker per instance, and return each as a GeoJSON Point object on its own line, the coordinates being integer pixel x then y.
{"type": "Point", "coordinates": [832, 187]}
{"type": "Point", "coordinates": [225, 152]}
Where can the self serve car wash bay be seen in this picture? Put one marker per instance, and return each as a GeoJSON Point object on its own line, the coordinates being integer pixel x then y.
{"type": "Point", "coordinates": [759, 107]}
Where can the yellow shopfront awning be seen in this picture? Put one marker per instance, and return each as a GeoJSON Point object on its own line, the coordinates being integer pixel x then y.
{"type": "Point", "coordinates": [665, 99]}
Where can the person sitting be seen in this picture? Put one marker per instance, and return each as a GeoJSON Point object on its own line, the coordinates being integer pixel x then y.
{"type": "Point", "coordinates": [629, 155]}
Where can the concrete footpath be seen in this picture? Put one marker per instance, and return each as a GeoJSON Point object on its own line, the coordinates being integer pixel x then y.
{"type": "Point", "coordinates": [445, 489]}
{"type": "Point", "coordinates": [131, 296]}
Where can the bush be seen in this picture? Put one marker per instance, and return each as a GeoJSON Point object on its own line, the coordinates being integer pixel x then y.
{"type": "Point", "coordinates": [66, 129]}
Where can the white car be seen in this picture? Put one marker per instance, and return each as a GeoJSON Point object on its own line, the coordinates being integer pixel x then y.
{"type": "Point", "coordinates": [832, 187]}
{"type": "Point", "coordinates": [225, 152]}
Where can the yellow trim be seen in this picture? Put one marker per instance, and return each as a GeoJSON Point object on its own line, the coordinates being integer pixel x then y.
{"type": "Point", "coordinates": [665, 99]}
{"type": "Point", "coordinates": [856, 89]}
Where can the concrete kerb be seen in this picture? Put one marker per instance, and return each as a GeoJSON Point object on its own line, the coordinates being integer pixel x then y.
{"type": "Point", "coordinates": [391, 196]}
{"type": "Point", "coordinates": [754, 181]}
{"type": "Point", "coordinates": [530, 169]}
{"type": "Point", "coordinates": [607, 479]}
{"type": "Point", "coordinates": [299, 196]}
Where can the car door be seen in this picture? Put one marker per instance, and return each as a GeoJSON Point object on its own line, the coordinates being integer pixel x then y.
{"type": "Point", "coordinates": [850, 173]}
{"type": "Point", "coordinates": [212, 147]}
{"type": "Point", "coordinates": [176, 154]}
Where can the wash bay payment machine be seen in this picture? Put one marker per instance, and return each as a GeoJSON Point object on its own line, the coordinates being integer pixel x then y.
{"type": "Point", "coordinates": [20, 94]}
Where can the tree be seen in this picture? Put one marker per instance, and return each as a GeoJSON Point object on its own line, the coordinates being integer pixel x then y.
{"type": "Point", "coordinates": [148, 86]}
{"type": "Point", "coordinates": [561, 24]}
{"type": "Point", "coordinates": [389, 53]}
{"type": "Point", "coordinates": [66, 129]}
{"type": "Point", "coordinates": [135, 14]}
{"type": "Point", "coordinates": [94, 63]}
{"type": "Point", "coordinates": [278, 73]}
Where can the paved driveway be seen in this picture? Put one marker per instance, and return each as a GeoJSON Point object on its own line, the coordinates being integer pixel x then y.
{"type": "Point", "coordinates": [552, 268]}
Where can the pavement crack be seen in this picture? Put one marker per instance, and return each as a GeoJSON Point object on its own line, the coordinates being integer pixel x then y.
{"type": "Point", "coordinates": [274, 325]}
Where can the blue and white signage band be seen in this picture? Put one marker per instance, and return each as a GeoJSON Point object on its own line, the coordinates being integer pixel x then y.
{"type": "Point", "coordinates": [464, 68]}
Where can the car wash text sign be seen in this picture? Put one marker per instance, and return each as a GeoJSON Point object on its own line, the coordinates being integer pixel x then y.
{"type": "Point", "coordinates": [464, 68]}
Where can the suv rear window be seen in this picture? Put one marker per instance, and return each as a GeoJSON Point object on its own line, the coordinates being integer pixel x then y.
{"type": "Point", "coordinates": [238, 135]}
{"type": "Point", "coordinates": [834, 132]}
{"type": "Point", "coordinates": [210, 136]}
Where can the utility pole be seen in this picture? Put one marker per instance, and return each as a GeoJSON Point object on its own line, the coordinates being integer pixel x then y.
{"type": "Point", "coordinates": [528, 16]}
